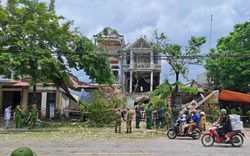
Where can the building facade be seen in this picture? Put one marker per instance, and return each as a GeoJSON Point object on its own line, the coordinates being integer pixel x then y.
{"type": "Point", "coordinates": [136, 67]}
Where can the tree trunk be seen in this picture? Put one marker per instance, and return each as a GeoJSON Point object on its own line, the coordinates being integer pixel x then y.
{"type": "Point", "coordinates": [34, 95]}
{"type": "Point", "coordinates": [177, 73]}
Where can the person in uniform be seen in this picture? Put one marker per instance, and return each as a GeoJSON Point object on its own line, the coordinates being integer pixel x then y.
{"type": "Point", "coordinates": [160, 114]}
{"type": "Point", "coordinates": [18, 116]}
{"type": "Point", "coordinates": [168, 117]}
{"type": "Point", "coordinates": [118, 120]}
{"type": "Point", "coordinates": [175, 114]}
{"type": "Point", "coordinates": [149, 117]}
{"type": "Point", "coordinates": [137, 117]}
{"type": "Point", "coordinates": [33, 116]}
{"type": "Point", "coordinates": [129, 116]}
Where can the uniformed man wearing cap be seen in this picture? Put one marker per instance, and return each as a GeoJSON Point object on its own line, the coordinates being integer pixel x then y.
{"type": "Point", "coordinates": [33, 116]}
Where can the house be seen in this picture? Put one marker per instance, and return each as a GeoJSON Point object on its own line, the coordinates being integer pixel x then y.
{"type": "Point", "coordinates": [141, 67]}
{"type": "Point", "coordinates": [49, 97]}
{"type": "Point", "coordinates": [136, 67]}
{"type": "Point", "coordinates": [112, 42]}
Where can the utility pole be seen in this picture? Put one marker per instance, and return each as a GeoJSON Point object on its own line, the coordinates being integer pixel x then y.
{"type": "Point", "coordinates": [210, 34]}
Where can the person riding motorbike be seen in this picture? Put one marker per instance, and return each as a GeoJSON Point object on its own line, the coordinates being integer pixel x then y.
{"type": "Point", "coordinates": [224, 126]}
{"type": "Point", "coordinates": [196, 121]}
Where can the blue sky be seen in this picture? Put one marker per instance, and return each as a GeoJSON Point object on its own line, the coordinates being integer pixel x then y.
{"type": "Point", "coordinates": [178, 19]}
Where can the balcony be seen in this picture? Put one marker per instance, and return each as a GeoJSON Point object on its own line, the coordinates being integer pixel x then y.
{"type": "Point", "coordinates": [142, 66]}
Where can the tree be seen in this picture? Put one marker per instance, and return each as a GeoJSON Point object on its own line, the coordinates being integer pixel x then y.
{"type": "Point", "coordinates": [228, 66]}
{"type": "Point", "coordinates": [177, 59]}
{"type": "Point", "coordinates": [35, 42]}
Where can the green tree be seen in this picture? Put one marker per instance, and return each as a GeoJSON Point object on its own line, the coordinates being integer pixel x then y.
{"type": "Point", "coordinates": [38, 44]}
{"type": "Point", "coordinates": [176, 58]}
{"type": "Point", "coordinates": [228, 66]}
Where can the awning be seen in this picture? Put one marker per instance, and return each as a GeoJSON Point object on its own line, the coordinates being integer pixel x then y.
{"type": "Point", "coordinates": [227, 95]}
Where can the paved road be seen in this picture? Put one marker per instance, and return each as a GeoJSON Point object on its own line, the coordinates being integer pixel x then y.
{"type": "Point", "coordinates": [63, 143]}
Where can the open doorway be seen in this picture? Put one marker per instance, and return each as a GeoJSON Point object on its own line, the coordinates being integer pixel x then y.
{"type": "Point", "coordinates": [11, 98]}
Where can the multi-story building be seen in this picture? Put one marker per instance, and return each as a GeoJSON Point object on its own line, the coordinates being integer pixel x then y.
{"type": "Point", "coordinates": [135, 66]}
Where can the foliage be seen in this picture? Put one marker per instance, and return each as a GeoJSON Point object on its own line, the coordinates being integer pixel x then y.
{"type": "Point", "coordinates": [248, 112]}
{"type": "Point", "coordinates": [166, 89]}
{"type": "Point", "coordinates": [102, 108]}
{"type": "Point", "coordinates": [177, 59]}
{"type": "Point", "coordinates": [228, 66]}
{"type": "Point", "coordinates": [82, 108]}
{"type": "Point", "coordinates": [38, 44]}
{"type": "Point", "coordinates": [156, 101]}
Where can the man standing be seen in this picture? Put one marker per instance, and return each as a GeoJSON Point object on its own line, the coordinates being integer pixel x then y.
{"type": "Point", "coordinates": [33, 116]}
{"type": "Point", "coordinates": [7, 116]}
{"type": "Point", "coordinates": [168, 116]}
{"type": "Point", "coordinates": [137, 117]}
{"type": "Point", "coordinates": [160, 114]}
{"type": "Point", "coordinates": [18, 116]}
{"type": "Point", "coordinates": [175, 114]}
{"type": "Point", "coordinates": [129, 115]}
{"type": "Point", "coordinates": [149, 116]}
{"type": "Point", "coordinates": [118, 120]}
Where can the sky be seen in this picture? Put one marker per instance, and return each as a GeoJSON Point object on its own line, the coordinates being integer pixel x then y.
{"type": "Point", "coordinates": [178, 19]}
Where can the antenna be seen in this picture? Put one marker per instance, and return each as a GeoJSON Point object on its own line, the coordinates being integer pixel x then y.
{"type": "Point", "coordinates": [210, 34]}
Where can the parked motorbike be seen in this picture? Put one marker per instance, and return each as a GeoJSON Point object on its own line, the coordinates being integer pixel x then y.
{"type": "Point", "coordinates": [211, 136]}
{"type": "Point", "coordinates": [174, 131]}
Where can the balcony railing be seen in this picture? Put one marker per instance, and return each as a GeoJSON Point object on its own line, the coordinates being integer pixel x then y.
{"type": "Point", "coordinates": [142, 66]}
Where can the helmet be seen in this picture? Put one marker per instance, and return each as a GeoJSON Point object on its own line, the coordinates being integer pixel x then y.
{"type": "Point", "coordinates": [223, 111]}
{"type": "Point", "coordinates": [23, 151]}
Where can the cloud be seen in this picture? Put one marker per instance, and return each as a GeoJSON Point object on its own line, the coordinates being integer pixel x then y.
{"type": "Point", "coordinates": [178, 19]}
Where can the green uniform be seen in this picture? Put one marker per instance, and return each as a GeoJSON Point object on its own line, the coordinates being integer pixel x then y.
{"type": "Point", "coordinates": [118, 121]}
{"type": "Point", "coordinates": [33, 117]}
{"type": "Point", "coordinates": [137, 117]}
{"type": "Point", "coordinates": [175, 114]}
{"type": "Point", "coordinates": [160, 114]}
{"type": "Point", "coordinates": [149, 117]}
{"type": "Point", "coordinates": [168, 117]}
{"type": "Point", "coordinates": [129, 121]}
{"type": "Point", "coordinates": [18, 118]}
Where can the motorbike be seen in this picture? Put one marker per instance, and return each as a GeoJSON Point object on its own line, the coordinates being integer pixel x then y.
{"type": "Point", "coordinates": [211, 136]}
{"type": "Point", "coordinates": [174, 131]}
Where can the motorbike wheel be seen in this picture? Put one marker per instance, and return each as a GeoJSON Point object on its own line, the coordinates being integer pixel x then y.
{"type": "Point", "coordinates": [237, 140]}
{"type": "Point", "coordinates": [171, 134]}
{"type": "Point", "coordinates": [196, 134]}
{"type": "Point", "coordinates": [207, 140]}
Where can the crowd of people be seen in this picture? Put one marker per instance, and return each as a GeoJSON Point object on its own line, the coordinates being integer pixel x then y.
{"type": "Point", "coordinates": [160, 117]}
{"type": "Point", "coordinates": [28, 117]}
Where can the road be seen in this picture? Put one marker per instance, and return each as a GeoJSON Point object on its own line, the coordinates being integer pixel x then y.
{"type": "Point", "coordinates": [103, 141]}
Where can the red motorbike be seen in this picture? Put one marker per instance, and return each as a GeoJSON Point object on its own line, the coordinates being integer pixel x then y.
{"type": "Point", "coordinates": [211, 136]}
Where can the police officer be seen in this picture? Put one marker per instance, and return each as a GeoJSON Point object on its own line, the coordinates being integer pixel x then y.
{"type": "Point", "coordinates": [18, 116]}
{"type": "Point", "coordinates": [129, 116]}
{"type": "Point", "coordinates": [149, 116]}
{"type": "Point", "coordinates": [137, 117]}
{"type": "Point", "coordinates": [33, 116]}
{"type": "Point", "coordinates": [118, 120]}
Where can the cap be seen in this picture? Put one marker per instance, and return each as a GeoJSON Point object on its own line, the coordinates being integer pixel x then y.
{"type": "Point", "coordinates": [23, 151]}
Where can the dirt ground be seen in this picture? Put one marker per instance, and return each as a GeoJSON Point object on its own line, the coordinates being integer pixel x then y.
{"type": "Point", "coordinates": [79, 139]}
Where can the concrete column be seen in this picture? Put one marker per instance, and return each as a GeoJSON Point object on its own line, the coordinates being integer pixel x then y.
{"type": "Point", "coordinates": [131, 60]}
{"type": "Point", "coordinates": [58, 101]}
{"type": "Point", "coordinates": [43, 104]}
{"type": "Point", "coordinates": [24, 100]}
{"type": "Point", "coordinates": [130, 81]}
{"type": "Point", "coordinates": [151, 57]}
{"type": "Point", "coordinates": [151, 81]}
